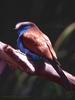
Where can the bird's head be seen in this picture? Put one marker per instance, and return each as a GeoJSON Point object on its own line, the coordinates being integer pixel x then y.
{"type": "Point", "coordinates": [23, 27]}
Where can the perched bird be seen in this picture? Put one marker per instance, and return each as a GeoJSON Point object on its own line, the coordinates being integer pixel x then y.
{"type": "Point", "coordinates": [32, 39]}
{"type": "Point", "coordinates": [33, 42]}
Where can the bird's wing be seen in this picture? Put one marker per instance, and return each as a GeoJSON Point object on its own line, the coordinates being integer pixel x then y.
{"type": "Point", "coordinates": [48, 42]}
{"type": "Point", "coordinates": [49, 45]}
{"type": "Point", "coordinates": [37, 44]}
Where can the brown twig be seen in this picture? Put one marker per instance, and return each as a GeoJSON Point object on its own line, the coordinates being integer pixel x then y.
{"type": "Point", "coordinates": [17, 59]}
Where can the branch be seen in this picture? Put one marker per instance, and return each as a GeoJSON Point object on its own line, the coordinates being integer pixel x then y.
{"type": "Point", "coordinates": [19, 60]}
{"type": "Point", "coordinates": [15, 58]}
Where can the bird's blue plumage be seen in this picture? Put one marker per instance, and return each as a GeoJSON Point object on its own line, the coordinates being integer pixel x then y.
{"type": "Point", "coordinates": [22, 30]}
{"type": "Point", "coordinates": [22, 48]}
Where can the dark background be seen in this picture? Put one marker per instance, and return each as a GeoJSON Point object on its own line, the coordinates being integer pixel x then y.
{"type": "Point", "coordinates": [52, 17]}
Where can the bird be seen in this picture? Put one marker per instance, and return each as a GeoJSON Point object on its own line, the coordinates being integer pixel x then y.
{"type": "Point", "coordinates": [34, 43]}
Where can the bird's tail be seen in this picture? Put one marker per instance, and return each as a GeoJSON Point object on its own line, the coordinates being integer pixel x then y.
{"type": "Point", "coordinates": [57, 66]}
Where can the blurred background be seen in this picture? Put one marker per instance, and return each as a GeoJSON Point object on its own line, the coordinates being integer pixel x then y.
{"type": "Point", "coordinates": [56, 18]}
